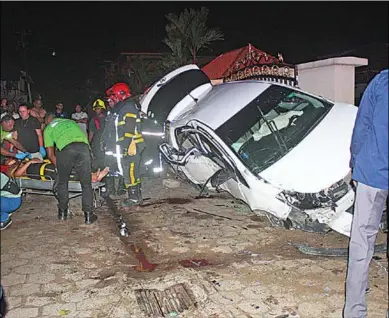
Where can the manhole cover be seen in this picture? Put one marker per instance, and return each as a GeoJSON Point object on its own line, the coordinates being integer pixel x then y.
{"type": "Point", "coordinates": [166, 303]}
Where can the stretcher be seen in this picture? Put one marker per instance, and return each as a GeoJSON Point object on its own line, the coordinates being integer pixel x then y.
{"type": "Point", "coordinates": [47, 187]}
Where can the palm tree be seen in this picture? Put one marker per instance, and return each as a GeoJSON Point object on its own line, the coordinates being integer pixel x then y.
{"type": "Point", "coordinates": [187, 34]}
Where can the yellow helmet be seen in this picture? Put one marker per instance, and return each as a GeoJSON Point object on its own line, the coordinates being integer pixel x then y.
{"type": "Point", "coordinates": [99, 103]}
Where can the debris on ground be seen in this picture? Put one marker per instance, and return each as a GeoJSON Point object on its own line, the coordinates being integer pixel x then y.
{"type": "Point", "coordinates": [168, 303]}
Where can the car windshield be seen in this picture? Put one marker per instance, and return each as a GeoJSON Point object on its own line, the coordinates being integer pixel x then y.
{"type": "Point", "coordinates": [272, 125]}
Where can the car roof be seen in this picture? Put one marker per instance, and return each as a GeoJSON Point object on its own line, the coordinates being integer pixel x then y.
{"type": "Point", "coordinates": [227, 99]}
{"type": "Point", "coordinates": [222, 102]}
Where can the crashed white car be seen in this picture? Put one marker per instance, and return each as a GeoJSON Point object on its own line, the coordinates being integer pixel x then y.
{"type": "Point", "coordinates": [281, 150]}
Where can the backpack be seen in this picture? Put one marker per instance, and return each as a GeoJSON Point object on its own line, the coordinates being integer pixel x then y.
{"type": "Point", "coordinates": [10, 185]}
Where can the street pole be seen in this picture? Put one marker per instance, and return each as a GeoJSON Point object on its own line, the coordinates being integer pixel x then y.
{"type": "Point", "coordinates": [23, 45]}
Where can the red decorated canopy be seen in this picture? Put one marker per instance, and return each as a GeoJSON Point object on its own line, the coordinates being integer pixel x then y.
{"type": "Point", "coordinates": [249, 62]}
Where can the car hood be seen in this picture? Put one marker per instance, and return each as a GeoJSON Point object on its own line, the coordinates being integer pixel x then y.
{"type": "Point", "coordinates": [321, 158]}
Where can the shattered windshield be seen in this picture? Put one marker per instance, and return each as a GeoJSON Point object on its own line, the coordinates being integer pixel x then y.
{"type": "Point", "coordinates": [272, 125]}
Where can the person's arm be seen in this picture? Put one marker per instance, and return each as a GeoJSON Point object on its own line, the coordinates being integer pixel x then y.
{"type": "Point", "coordinates": [7, 153]}
{"type": "Point", "coordinates": [51, 155]}
{"type": "Point", "coordinates": [22, 169]}
{"type": "Point", "coordinates": [49, 144]}
{"type": "Point", "coordinates": [40, 137]}
{"type": "Point", "coordinates": [92, 128]}
{"type": "Point", "coordinates": [43, 114]}
{"type": "Point", "coordinates": [17, 144]}
{"type": "Point", "coordinates": [363, 120]}
{"type": "Point", "coordinates": [90, 136]}
{"type": "Point", "coordinates": [84, 120]}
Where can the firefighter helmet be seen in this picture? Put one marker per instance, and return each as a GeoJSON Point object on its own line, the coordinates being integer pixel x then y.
{"type": "Point", "coordinates": [119, 92]}
{"type": "Point", "coordinates": [98, 103]}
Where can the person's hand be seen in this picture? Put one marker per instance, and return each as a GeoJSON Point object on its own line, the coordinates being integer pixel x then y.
{"type": "Point", "coordinates": [21, 155]}
{"type": "Point", "coordinates": [28, 155]}
{"type": "Point", "coordinates": [42, 151]}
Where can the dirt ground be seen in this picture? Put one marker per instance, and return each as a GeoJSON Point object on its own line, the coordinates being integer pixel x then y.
{"type": "Point", "coordinates": [232, 262]}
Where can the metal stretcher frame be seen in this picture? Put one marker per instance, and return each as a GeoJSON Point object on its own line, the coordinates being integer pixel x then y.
{"type": "Point", "coordinates": [46, 187]}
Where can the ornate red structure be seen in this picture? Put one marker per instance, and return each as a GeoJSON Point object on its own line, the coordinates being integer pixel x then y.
{"type": "Point", "coordinates": [250, 63]}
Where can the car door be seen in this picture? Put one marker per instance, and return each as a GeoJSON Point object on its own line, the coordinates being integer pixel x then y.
{"type": "Point", "coordinates": [175, 93]}
{"type": "Point", "coordinates": [207, 158]}
{"type": "Point", "coordinates": [165, 100]}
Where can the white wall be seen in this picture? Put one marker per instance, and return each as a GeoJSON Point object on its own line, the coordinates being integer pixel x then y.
{"type": "Point", "coordinates": [332, 78]}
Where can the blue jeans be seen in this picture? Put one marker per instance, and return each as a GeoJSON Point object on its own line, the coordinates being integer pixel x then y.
{"type": "Point", "coordinates": [9, 205]}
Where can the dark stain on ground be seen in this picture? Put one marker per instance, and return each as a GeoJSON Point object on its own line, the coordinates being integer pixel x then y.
{"type": "Point", "coordinates": [254, 226]}
{"type": "Point", "coordinates": [50, 294]}
{"type": "Point", "coordinates": [201, 197]}
{"type": "Point", "coordinates": [200, 216]}
{"type": "Point", "coordinates": [257, 218]}
{"type": "Point", "coordinates": [194, 263]}
{"type": "Point", "coordinates": [105, 273]}
{"type": "Point", "coordinates": [272, 300]}
{"type": "Point", "coordinates": [168, 201]}
{"type": "Point", "coordinates": [106, 282]}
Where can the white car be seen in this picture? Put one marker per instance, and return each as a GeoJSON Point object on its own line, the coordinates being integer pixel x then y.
{"type": "Point", "coordinates": [282, 151]}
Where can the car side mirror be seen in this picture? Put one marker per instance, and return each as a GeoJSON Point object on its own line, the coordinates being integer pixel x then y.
{"type": "Point", "coordinates": [221, 176]}
{"type": "Point", "coordinates": [173, 156]}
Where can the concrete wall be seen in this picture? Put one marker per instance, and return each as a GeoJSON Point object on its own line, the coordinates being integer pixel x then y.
{"type": "Point", "coordinates": [332, 78]}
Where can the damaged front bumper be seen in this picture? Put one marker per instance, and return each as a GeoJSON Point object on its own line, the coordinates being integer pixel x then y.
{"type": "Point", "coordinates": [322, 211]}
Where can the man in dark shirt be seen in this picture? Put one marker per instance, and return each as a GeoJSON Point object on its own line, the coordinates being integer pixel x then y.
{"type": "Point", "coordinates": [59, 113]}
{"type": "Point", "coordinates": [29, 133]}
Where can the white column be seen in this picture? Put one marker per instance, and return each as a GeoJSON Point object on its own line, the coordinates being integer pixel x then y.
{"type": "Point", "coordinates": [332, 78]}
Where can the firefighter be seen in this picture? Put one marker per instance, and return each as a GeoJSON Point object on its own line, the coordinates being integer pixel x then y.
{"type": "Point", "coordinates": [113, 181]}
{"type": "Point", "coordinates": [123, 128]}
{"type": "Point", "coordinates": [96, 128]}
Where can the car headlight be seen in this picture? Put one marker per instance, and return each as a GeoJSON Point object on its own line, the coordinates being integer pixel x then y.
{"type": "Point", "coordinates": [322, 199]}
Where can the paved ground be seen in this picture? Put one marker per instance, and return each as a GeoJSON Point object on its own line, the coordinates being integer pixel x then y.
{"type": "Point", "coordinates": [54, 269]}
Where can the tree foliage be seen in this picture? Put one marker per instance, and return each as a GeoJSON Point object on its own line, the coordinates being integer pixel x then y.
{"type": "Point", "coordinates": [187, 34]}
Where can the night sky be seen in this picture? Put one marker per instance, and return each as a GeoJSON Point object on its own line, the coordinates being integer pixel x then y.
{"type": "Point", "coordinates": [84, 34]}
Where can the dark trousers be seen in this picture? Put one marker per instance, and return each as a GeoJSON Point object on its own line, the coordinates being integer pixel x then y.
{"type": "Point", "coordinates": [77, 156]}
{"type": "Point", "coordinates": [98, 158]}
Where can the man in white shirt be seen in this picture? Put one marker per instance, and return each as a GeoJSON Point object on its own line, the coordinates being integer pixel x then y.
{"type": "Point", "coordinates": [81, 118]}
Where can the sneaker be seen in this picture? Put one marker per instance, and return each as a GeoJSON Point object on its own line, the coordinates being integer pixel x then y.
{"type": "Point", "coordinates": [7, 223]}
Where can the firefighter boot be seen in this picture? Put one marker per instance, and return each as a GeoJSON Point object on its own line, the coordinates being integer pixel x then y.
{"type": "Point", "coordinates": [120, 190]}
{"type": "Point", "coordinates": [90, 217]}
{"type": "Point", "coordinates": [62, 214]}
{"type": "Point", "coordinates": [109, 186]}
{"type": "Point", "coordinates": [133, 198]}
{"type": "Point", "coordinates": [139, 193]}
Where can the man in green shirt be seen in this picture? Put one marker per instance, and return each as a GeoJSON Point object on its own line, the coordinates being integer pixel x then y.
{"type": "Point", "coordinates": [7, 123]}
{"type": "Point", "coordinates": [72, 152]}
